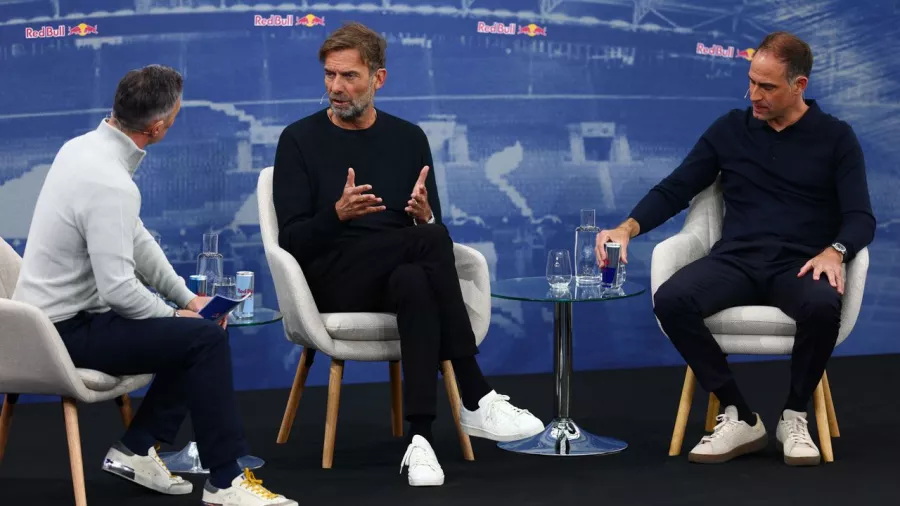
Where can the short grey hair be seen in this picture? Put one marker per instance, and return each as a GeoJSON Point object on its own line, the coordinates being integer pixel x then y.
{"type": "Point", "coordinates": [147, 95]}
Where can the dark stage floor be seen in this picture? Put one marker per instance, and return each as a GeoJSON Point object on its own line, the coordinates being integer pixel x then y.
{"type": "Point", "coordinates": [635, 405]}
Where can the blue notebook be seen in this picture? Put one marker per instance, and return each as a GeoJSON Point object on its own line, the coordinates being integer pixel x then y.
{"type": "Point", "coordinates": [220, 306]}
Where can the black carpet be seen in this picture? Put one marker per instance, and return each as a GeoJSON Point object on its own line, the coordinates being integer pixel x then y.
{"type": "Point", "coordinates": [638, 406]}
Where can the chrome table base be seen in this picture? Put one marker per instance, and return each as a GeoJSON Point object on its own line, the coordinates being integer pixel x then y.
{"type": "Point", "coordinates": [187, 461]}
{"type": "Point", "coordinates": [562, 436]}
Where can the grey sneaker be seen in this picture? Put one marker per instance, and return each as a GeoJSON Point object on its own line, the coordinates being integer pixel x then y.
{"type": "Point", "coordinates": [149, 471]}
{"type": "Point", "coordinates": [730, 438]}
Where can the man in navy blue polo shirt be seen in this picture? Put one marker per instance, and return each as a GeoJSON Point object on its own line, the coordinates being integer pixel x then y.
{"type": "Point", "coordinates": [797, 207]}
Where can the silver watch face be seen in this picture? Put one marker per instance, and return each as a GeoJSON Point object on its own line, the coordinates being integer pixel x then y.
{"type": "Point", "coordinates": [840, 247]}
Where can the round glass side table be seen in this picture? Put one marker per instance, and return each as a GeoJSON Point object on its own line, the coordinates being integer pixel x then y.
{"type": "Point", "coordinates": [562, 436]}
{"type": "Point", "coordinates": [187, 460]}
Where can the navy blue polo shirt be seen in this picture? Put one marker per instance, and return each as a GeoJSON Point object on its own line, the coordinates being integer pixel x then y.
{"type": "Point", "coordinates": [790, 193]}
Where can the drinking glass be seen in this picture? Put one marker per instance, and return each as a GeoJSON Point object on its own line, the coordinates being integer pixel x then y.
{"type": "Point", "coordinates": [225, 287]}
{"type": "Point", "coordinates": [559, 269]}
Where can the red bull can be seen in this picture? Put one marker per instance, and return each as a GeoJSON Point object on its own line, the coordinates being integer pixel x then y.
{"type": "Point", "coordinates": [197, 283]}
{"type": "Point", "coordinates": [244, 283]}
{"type": "Point", "coordinates": [609, 273]}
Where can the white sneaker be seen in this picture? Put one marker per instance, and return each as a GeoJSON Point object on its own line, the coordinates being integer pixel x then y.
{"type": "Point", "coordinates": [424, 469]}
{"type": "Point", "coordinates": [794, 440]}
{"type": "Point", "coordinates": [149, 471]}
{"type": "Point", "coordinates": [498, 420]}
{"type": "Point", "coordinates": [731, 438]}
{"type": "Point", "coordinates": [245, 490]}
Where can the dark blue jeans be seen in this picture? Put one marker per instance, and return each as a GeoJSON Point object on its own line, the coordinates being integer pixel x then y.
{"type": "Point", "coordinates": [191, 359]}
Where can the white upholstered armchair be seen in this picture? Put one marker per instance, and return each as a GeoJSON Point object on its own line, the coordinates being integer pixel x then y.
{"type": "Point", "coordinates": [356, 336]}
{"type": "Point", "coordinates": [749, 330]}
{"type": "Point", "coordinates": [34, 360]}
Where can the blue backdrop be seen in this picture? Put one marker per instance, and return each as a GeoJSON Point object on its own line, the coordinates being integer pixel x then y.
{"type": "Point", "coordinates": [581, 104]}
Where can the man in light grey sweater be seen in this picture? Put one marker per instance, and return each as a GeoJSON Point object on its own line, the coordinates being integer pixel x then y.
{"type": "Point", "coordinates": [86, 249]}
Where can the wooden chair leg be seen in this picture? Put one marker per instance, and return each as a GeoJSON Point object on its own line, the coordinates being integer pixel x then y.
{"type": "Point", "coordinates": [331, 416]}
{"type": "Point", "coordinates": [290, 411]}
{"type": "Point", "coordinates": [822, 423]}
{"type": "Point", "coordinates": [396, 399]}
{"type": "Point", "coordinates": [684, 409]}
{"type": "Point", "coordinates": [70, 411]}
{"type": "Point", "coordinates": [455, 401]}
{"type": "Point", "coordinates": [124, 403]}
{"type": "Point", "coordinates": [712, 411]}
{"type": "Point", "coordinates": [829, 406]}
{"type": "Point", "coordinates": [6, 416]}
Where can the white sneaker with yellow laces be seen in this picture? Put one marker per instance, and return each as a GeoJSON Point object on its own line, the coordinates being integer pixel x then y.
{"type": "Point", "coordinates": [148, 471]}
{"type": "Point", "coordinates": [245, 490]}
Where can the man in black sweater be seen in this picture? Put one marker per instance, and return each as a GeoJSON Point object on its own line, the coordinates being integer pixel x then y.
{"type": "Point", "coordinates": [357, 207]}
{"type": "Point", "coordinates": [797, 207]}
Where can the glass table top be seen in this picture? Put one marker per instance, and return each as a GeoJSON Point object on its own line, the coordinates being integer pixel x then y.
{"type": "Point", "coordinates": [261, 316]}
{"type": "Point", "coordinates": [537, 289]}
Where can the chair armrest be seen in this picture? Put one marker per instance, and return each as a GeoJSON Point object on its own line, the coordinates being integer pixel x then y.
{"type": "Point", "coordinates": [854, 285]}
{"type": "Point", "coordinates": [302, 321]}
{"type": "Point", "coordinates": [475, 283]}
{"type": "Point", "coordinates": [33, 358]}
{"type": "Point", "coordinates": [671, 255]}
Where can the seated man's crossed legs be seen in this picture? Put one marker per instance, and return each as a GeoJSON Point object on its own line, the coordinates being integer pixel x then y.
{"type": "Point", "coordinates": [411, 272]}
{"type": "Point", "coordinates": [191, 359]}
{"type": "Point", "coordinates": [717, 282]}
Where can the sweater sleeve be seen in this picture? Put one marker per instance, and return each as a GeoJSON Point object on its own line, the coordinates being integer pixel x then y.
{"type": "Point", "coordinates": [430, 180]}
{"type": "Point", "coordinates": [858, 222]}
{"type": "Point", "coordinates": [152, 265]}
{"type": "Point", "coordinates": [304, 232]}
{"type": "Point", "coordinates": [673, 194]}
{"type": "Point", "coordinates": [108, 223]}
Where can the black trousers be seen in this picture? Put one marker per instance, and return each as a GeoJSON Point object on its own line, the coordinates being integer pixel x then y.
{"type": "Point", "coordinates": [724, 280]}
{"type": "Point", "coordinates": [191, 358]}
{"type": "Point", "coordinates": [410, 272]}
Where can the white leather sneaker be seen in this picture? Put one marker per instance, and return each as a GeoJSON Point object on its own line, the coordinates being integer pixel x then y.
{"type": "Point", "coordinates": [245, 490]}
{"type": "Point", "coordinates": [794, 441]}
{"type": "Point", "coordinates": [498, 420]}
{"type": "Point", "coordinates": [424, 469]}
{"type": "Point", "coordinates": [730, 438]}
{"type": "Point", "coordinates": [148, 471]}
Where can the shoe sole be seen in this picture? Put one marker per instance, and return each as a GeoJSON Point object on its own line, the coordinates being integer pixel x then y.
{"type": "Point", "coordinates": [798, 461]}
{"type": "Point", "coordinates": [426, 483]}
{"type": "Point", "coordinates": [475, 432]}
{"type": "Point", "coordinates": [127, 473]}
{"type": "Point", "coordinates": [751, 447]}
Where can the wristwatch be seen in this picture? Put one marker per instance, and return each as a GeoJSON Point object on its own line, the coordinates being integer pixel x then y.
{"type": "Point", "coordinates": [840, 248]}
{"type": "Point", "coordinates": [429, 222]}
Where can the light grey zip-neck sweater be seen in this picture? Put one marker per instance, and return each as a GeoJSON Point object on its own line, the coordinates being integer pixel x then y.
{"type": "Point", "coordinates": [87, 244]}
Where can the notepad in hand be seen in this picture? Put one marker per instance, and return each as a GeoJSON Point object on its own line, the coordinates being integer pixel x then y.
{"type": "Point", "coordinates": [220, 306]}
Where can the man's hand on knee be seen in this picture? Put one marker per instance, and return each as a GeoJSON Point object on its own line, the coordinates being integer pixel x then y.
{"type": "Point", "coordinates": [829, 262]}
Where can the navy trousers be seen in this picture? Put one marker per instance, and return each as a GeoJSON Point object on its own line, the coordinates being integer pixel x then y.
{"type": "Point", "coordinates": [728, 279]}
{"type": "Point", "coordinates": [191, 359]}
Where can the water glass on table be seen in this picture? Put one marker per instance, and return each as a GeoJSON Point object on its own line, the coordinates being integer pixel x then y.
{"type": "Point", "coordinates": [225, 287]}
{"type": "Point", "coordinates": [559, 269]}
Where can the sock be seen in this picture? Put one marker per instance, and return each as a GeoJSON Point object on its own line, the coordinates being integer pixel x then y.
{"type": "Point", "coordinates": [138, 441]}
{"type": "Point", "coordinates": [222, 476]}
{"type": "Point", "coordinates": [420, 425]}
{"type": "Point", "coordinates": [793, 403]}
{"type": "Point", "coordinates": [730, 395]}
{"type": "Point", "coordinates": [472, 385]}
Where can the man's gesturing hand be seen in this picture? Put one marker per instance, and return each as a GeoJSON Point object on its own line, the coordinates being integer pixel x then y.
{"type": "Point", "coordinates": [354, 203]}
{"type": "Point", "coordinates": [418, 207]}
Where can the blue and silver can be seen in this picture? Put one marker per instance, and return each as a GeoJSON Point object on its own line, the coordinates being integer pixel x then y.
{"type": "Point", "coordinates": [609, 273]}
{"type": "Point", "coordinates": [244, 283]}
{"type": "Point", "coordinates": [197, 284]}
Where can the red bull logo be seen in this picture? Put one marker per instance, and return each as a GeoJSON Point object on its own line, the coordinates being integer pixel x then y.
{"type": "Point", "coordinates": [310, 20]}
{"type": "Point", "coordinates": [45, 32]}
{"type": "Point", "coordinates": [724, 52]}
{"type": "Point", "coordinates": [273, 20]}
{"type": "Point", "coordinates": [83, 29]}
{"type": "Point", "coordinates": [533, 30]}
{"type": "Point", "coordinates": [746, 54]}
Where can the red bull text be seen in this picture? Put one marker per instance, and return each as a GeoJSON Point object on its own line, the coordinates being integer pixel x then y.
{"type": "Point", "coordinates": [531, 29]}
